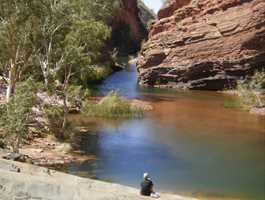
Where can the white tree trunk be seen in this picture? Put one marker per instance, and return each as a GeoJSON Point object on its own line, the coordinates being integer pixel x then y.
{"type": "Point", "coordinates": [45, 72]}
{"type": "Point", "coordinates": [8, 90]}
{"type": "Point", "coordinates": [11, 83]}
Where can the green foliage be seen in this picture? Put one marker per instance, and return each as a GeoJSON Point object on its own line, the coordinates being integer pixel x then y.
{"type": "Point", "coordinates": [18, 24]}
{"type": "Point", "coordinates": [86, 94]}
{"type": "Point", "coordinates": [112, 105]}
{"type": "Point", "coordinates": [95, 74]}
{"type": "Point", "coordinates": [257, 81]}
{"type": "Point", "coordinates": [54, 114]}
{"type": "Point", "coordinates": [48, 39]}
{"type": "Point", "coordinates": [250, 90]}
{"type": "Point", "coordinates": [74, 93]}
{"type": "Point", "coordinates": [2, 109]}
{"type": "Point", "coordinates": [16, 116]}
{"type": "Point", "coordinates": [59, 43]}
{"type": "Point", "coordinates": [105, 9]}
{"type": "Point", "coordinates": [82, 47]}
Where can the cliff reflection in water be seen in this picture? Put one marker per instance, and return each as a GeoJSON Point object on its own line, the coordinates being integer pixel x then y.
{"type": "Point", "coordinates": [190, 144]}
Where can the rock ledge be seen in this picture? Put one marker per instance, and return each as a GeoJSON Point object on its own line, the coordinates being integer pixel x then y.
{"type": "Point", "coordinates": [37, 183]}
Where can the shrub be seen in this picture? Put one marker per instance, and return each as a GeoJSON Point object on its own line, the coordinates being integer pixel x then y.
{"type": "Point", "coordinates": [250, 90]}
{"type": "Point", "coordinates": [113, 105]}
{"type": "Point", "coordinates": [54, 114]}
{"type": "Point", "coordinates": [257, 81]}
{"type": "Point", "coordinates": [93, 74]}
{"type": "Point", "coordinates": [16, 116]}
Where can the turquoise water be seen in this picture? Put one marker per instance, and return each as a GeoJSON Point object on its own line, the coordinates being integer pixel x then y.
{"type": "Point", "coordinates": [189, 143]}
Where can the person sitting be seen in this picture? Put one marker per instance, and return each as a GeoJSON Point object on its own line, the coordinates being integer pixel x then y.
{"type": "Point", "coordinates": [147, 187]}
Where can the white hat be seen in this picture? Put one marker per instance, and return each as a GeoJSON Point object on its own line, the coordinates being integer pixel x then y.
{"type": "Point", "coordinates": [146, 176]}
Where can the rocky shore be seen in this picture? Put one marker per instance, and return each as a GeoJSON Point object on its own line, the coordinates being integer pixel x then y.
{"type": "Point", "coordinates": [50, 152]}
{"type": "Point", "coordinates": [46, 152]}
{"type": "Point", "coordinates": [27, 182]}
{"type": "Point", "coordinates": [42, 148]}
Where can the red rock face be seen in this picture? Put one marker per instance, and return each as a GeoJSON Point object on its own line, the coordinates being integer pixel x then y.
{"type": "Point", "coordinates": [129, 15]}
{"type": "Point", "coordinates": [171, 7]}
{"type": "Point", "coordinates": [128, 30]}
{"type": "Point", "coordinates": [204, 44]}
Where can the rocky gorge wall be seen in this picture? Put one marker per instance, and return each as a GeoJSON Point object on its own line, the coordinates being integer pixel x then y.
{"type": "Point", "coordinates": [129, 26]}
{"type": "Point", "coordinates": [204, 44]}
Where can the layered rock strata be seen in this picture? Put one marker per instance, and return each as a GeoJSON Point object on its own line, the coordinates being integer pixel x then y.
{"type": "Point", "coordinates": [204, 44]}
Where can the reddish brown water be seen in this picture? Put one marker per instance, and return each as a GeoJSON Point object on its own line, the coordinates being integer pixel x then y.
{"type": "Point", "coordinates": [204, 111]}
{"type": "Point", "coordinates": [190, 143]}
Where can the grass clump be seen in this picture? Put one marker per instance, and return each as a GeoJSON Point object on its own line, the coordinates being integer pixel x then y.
{"type": "Point", "coordinates": [234, 104]}
{"type": "Point", "coordinates": [113, 105]}
{"type": "Point", "coordinates": [250, 90]}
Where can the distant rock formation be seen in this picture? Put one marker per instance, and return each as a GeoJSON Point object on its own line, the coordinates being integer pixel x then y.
{"type": "Point", "coordinates": [129, 27]}
{"type": "Point", "coordinates": [204, 44]}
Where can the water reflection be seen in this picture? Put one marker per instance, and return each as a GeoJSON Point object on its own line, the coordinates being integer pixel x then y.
{"type": "Point", "coordinates": [190, 143]}
{"type": "Point", "coordinates": [124, 81]}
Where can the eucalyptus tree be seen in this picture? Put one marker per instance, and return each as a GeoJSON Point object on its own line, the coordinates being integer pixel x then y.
{"type": "Point", "coordinates": [33, 33]}
{"type": "Point", "coordinates": [56, 40]}
{"type": "Point", "coordinates": [71, 38]}
{"type": "Point", "coordinates": [80, 48]}
{"type": "Point", "coordinates": [18, 25]}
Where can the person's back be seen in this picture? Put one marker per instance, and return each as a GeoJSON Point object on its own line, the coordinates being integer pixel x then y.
{"type": "Point", "coordinates": [146, 187]}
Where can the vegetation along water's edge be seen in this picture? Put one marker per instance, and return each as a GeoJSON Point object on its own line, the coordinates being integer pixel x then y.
{"type": "Point", "coordinates": [50, 59]}
{"type": "Point", "coordinates": [53, 54]}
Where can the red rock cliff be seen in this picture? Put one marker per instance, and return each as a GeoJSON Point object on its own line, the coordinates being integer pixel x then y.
{"type": "Point", "coordinates": [128, 26]}
{"type": "Point", "coordinates": [204, 44]}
